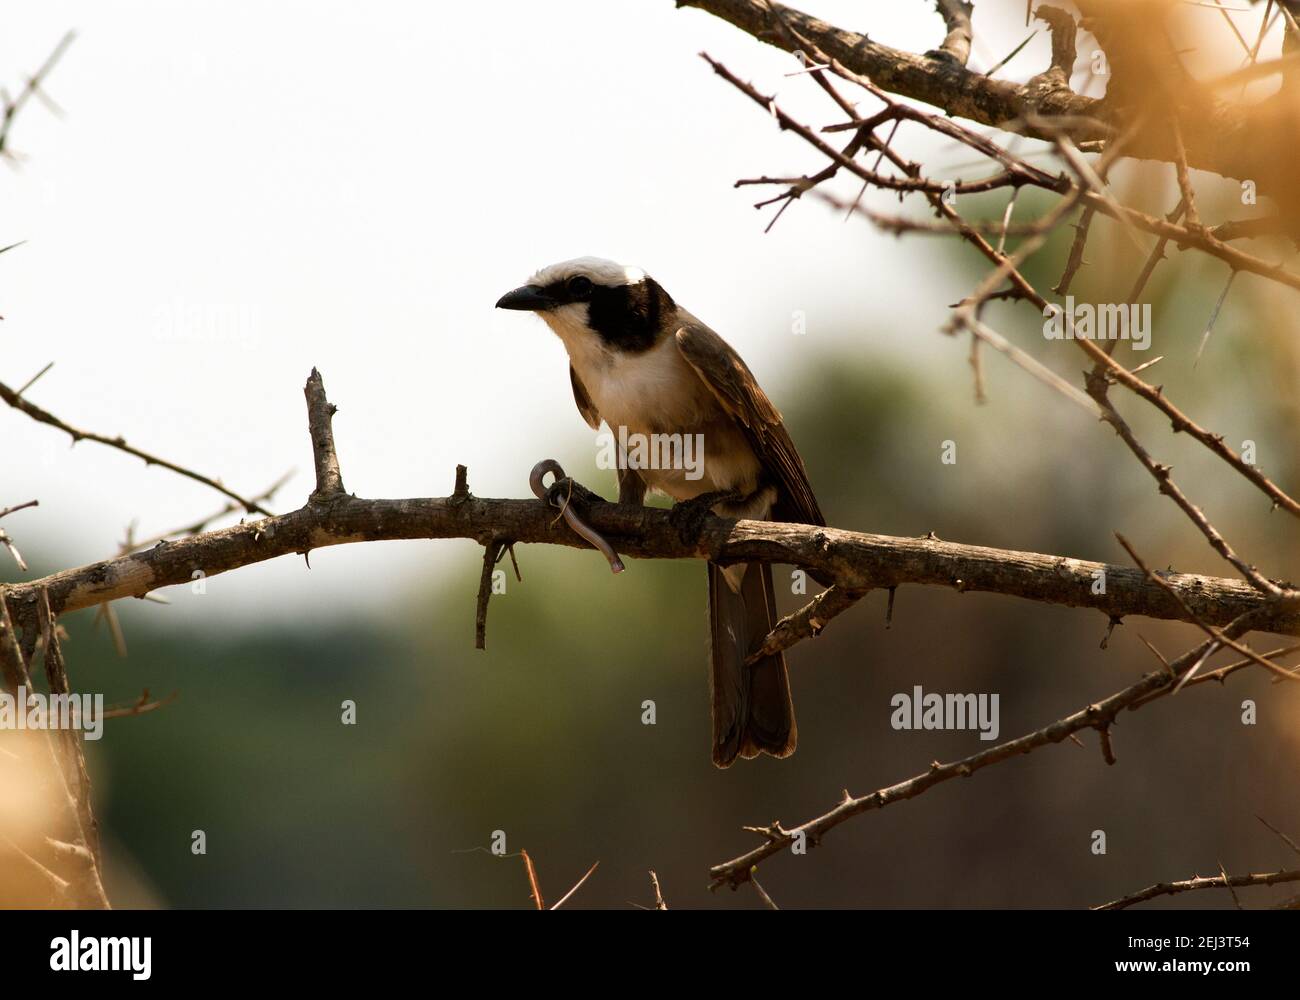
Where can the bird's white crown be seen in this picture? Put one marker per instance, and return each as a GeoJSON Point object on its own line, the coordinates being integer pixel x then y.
{"type": "Point", "coordinates": [598, 269]}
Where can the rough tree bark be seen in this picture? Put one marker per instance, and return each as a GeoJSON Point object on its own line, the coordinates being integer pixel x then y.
{"type": "Point", "coordinates": [857, 561]}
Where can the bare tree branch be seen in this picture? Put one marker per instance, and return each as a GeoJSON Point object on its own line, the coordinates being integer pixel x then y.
{"type": "Point", "coordinates": [1099, 715]}
{"type": "Point", "coordinates": [320, 424]}
{"type": "Point", "coordinates": [1188, 885]}
{"type": "Point", "coordinates": [856, 561]}
{"type": "Point", "coordinates": [805, 623]}
{"type": "Point", "coordinates": [45, 417]}
{"type": "Point", "coordinates": [31, 88]}
{"type": "Point", "coordinates": [1232, 140]}
{"type": "Point", "coordinates": [7, 541]}
{"type": "Point", "coordinates": [958, 91]}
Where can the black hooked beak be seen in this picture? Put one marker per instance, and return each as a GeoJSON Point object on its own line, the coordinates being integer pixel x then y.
{"type": "Point", "coordinates": [530, 298]}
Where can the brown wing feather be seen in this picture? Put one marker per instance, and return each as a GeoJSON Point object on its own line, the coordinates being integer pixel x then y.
{"type": "Point", "coordinates": [731, 381]}
{"type": "Point", "coordinates": [585, 406]}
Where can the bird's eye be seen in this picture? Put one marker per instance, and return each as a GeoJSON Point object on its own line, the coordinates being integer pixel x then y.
{"type": "Point", "coordinates": [579, 286]}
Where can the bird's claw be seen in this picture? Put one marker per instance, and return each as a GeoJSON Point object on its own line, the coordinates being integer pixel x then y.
{"type": "Point", "coordinates": [688, 516]}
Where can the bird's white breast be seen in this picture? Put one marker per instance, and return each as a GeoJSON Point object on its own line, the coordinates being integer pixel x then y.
{"type": "Point", "coordinates": [654, 391]}
{"type": "Point", "coordinates": [658, 392]}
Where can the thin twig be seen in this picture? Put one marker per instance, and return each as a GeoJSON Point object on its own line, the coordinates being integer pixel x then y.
{"type": "Point", "coordinates": [659, 896]}
{"type": "Point", "coordinates": [320, 424]}
{"type": "Point", "coordinates": [535, 890]}
{"type": "Point", "coordinates": [1188, 885]}
{"type": "Point", "coordinates": [1094, 716]}
{"type": "Point", "coordinates": [45, 417]}
{"type": "Point", "coordinates": [577, 885]}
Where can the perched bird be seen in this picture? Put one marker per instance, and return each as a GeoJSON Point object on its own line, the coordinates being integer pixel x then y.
{"type": "Point", "coordinates": [646, 366]}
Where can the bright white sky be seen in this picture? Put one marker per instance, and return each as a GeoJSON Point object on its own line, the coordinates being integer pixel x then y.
{"type": "Point", "coordinates": [240, 191]}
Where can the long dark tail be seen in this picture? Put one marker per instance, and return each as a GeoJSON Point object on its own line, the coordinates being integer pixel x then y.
{"type": "Point", "coordinates": [752, 709]}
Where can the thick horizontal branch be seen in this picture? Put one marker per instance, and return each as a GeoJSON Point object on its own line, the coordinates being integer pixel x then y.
{"type": "Point", "coordinates": [855, 561]}
{"type": "Point", "coordinates": [1233, 140]}
{"type": "Point", "coordinates": [942, 83]}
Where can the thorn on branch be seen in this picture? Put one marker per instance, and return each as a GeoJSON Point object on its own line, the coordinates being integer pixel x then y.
{"type": "Point", "coordinates": [774, 833]}
{"type": "Point", "coordinates": [31, 88]}
{"type": "Point", "coordinates": [35, 378]}
{"type": "Point", "coordinates": [1110, 627]}
{"type": "Point", "coordinates": [6, 541]}
{"type": "Point", "coordinates": [1158, 655]}
{"type": "Point", "coordinates": [1287, 840]}
{"type": "Point", "coordinates": [108, 615]}
{"type": "Point", "coordinates": [1214, 318]}
{"type": "Point", "coordinates": [977, 369]}
{"type": "Point", "coordinates": [1250, 229]}
{"type": "Point", "coordinates": [142, 706]}
{"type": "Point", "coordinates": [767, 900]}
